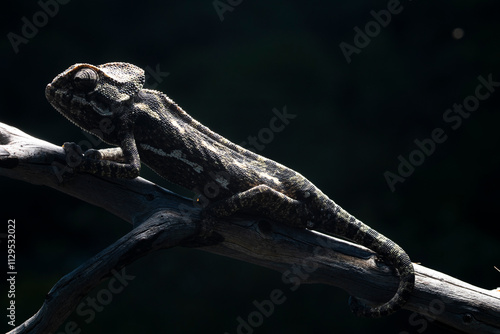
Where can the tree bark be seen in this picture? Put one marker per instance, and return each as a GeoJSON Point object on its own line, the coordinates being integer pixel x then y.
{"type": "Point", "coordinates": [163, 219]}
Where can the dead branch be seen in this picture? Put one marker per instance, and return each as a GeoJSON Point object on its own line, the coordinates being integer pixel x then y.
{"type": "Point", "coordinates": [163, 219]}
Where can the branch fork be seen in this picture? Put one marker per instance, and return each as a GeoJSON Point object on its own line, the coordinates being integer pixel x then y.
{"type": "Point", "coordinates": [163, 219]}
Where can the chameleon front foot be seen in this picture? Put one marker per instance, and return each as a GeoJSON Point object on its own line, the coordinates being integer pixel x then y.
{"type": "Point", "coordinates": [96, 162]}
{"type": "Point", "coordinates": [74, 155]}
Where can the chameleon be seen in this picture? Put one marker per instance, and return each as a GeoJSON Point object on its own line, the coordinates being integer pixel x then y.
{"type": "Point", "coordinates": [146, 126]}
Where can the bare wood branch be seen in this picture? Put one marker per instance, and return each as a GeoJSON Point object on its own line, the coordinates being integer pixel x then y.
{"type": "Point", "coordinates": [164, 219]}
{"type": "Point", "coordinates": [160, 231]}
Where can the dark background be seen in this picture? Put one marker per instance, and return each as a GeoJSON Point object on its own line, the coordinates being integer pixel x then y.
{"type": "Point", "coordinates": [352, 122]}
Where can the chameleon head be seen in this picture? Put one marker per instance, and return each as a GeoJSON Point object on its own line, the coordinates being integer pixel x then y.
{"type": "Point", "coordinates": [88, 94]}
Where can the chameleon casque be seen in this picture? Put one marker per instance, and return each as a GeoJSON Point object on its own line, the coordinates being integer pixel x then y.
{"type": "Point", "coordinates": [147, 126]}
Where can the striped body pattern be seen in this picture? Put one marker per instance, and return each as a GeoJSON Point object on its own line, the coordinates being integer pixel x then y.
{"type": "Point", "coordinates": [147, 126]}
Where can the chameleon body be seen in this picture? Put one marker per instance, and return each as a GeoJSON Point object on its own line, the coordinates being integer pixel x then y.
{"type": "Point", "coordinates": [147, 126]}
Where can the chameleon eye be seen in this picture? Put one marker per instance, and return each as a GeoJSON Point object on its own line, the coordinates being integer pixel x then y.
{"type": "Point", "coordinates": [85, 79]}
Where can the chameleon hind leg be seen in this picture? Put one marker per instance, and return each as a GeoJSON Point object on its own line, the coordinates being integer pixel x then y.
{"type": "Point", "coordinates": [335, 221]}
{"type": "Point", "coordinates": [263, 200]}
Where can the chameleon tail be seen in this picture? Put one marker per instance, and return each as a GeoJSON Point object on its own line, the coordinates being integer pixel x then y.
{"type": "Point", "coordinates": [349, 227]}
{"type": "Point", "coordinates": [396, 256]}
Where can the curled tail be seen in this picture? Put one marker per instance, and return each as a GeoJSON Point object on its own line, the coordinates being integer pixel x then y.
{"type": "Point", "coordinates": [347, 226]}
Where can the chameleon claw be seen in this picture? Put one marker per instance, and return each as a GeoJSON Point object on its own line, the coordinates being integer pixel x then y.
{"type": "Point", "coordinates": [93, 154]}
{"type": "Point", "coordinates": [72, 148]}
{"type": "Point", "coordinates": [257, 185]}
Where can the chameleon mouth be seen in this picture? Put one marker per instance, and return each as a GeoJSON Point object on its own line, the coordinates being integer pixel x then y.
{"type": "Point", "coordinates": [49, 92]}
{"type": "Point", "coordinates": [59, 99]}
{"type": "Point", "coordinates": [65, 101]}
{"type": "Point", "coordinates": [101, 109]}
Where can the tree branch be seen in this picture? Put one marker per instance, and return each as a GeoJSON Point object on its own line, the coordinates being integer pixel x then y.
{"type": "Point", "coordinates": [164, 219]}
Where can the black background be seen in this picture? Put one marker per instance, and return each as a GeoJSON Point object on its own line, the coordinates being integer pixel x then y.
{"type": "Point", "coordinates": [352, 122]}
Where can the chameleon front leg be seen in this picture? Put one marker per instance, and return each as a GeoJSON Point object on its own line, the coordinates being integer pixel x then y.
{"type": "Point", "coordinates": [112, 154]}
{"type": "Point", "coordinates": [118, 162]}
{"type": "Point", "coordinates": [263, 200]}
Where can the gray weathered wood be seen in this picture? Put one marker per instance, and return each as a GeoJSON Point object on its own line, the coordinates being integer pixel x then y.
{"type": "Point", "coordinates": [164, 219]}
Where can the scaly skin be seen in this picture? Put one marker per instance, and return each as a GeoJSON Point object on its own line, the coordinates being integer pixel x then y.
{"type": "Point", "coordinates": [109, 101]}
